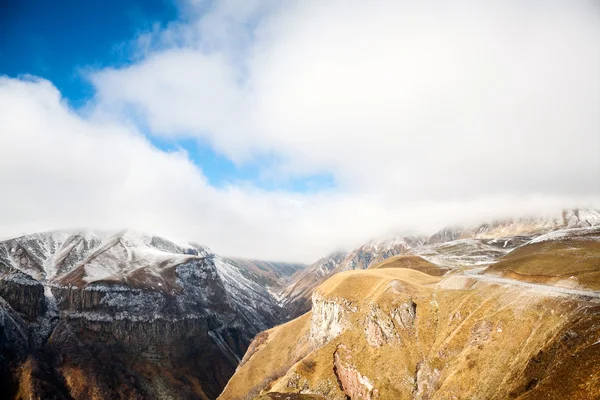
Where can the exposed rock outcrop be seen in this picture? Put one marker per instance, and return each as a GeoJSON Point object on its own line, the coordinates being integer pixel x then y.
{"type": "Point", "coordinates": [353, 383]}
{"type": "Point", "coordinates": [426, 381]}
{"type": "Point", "coordinates": [22, 292]}
{"type": "Point", "coordinates": [382, 328]}
{"type": "Point", "coordinates": [329, 318]}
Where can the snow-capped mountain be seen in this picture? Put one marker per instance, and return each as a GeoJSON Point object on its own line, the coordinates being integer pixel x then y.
{"type": "Point", "coordinates": [93, 256]}
{"type": "Point", "coordinates": [450, 247]}
{"type": "Point", "coordinates": [131, 315]}
{"type": "Point", "coordinates": [296, 297]}
{"type": "Point", "coordinates": [378, 250]}
{"type": "Point", "coordinates": [130, 296]}
{"type": "Point", "coordinates": [524, 226]}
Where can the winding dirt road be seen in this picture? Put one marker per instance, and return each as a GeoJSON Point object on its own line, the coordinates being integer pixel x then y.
{"type": "Point", "coordinates": [476, 273]}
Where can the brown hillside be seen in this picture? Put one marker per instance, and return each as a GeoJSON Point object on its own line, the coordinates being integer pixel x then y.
{"type": "Point", "coordinates": [571, 261]}
{"type": "Point", "coordinates": [398, 334]}
{"type": "Point", "coordinates": [411, 262]}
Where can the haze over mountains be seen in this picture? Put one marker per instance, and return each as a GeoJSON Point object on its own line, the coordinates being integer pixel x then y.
{"type": "Point", "coordinates": [174, 319]}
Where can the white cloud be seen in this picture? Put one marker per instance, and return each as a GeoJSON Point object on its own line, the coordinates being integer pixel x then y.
{"type": "Point", "coordinates": [426, 114]}
{"type": "Point", "coordinates": [416, 100]}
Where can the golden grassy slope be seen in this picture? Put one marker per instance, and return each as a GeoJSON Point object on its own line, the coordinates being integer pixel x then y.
{"type": "Point", "coordinates": [571, 261]}
{"type": "Point", "coordinates": [270, 355]}
{"type": "Point", "coordinates": [411, 262]}
{"type": "Point", "coordinates": [481, 341]}
{"type": "Point", "coordinates": [356, 286]}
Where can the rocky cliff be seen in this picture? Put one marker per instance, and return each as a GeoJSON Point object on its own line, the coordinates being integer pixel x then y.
{"type": "Point", "coordinates": [123, 315]}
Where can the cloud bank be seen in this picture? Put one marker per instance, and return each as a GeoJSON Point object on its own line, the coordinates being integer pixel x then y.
{"type": "Point", "coordinates": [425, 114]}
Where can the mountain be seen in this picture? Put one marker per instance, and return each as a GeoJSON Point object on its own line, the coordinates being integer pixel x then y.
{"type": "Point", "coordinates": [524, 226]}
{"type": "Point", "coordinates": [123, 315]}
{"type": "Point", "coordinates": [525, 326]}
{"type": "Point", "coordinates": [271, 274]}
{"type": "Point", "coordinates": [296, 296]}
{"type": "Point", "coordinates": [375, 251]}
{"type": "Point", "coordinates": [451, 247]}
{"type": "Point", "coordinates": [505, 309]}
{"type": "Point", "coordinates": [567, 258]}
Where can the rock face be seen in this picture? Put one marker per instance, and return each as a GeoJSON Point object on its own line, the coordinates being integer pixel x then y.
{"type": "Point", "coordinates": [123, 315]}
{"type": "Point", "coordinates": [24, 293]}
{"type": "Point", "coordinates": [381, 328]}
{"type": "Point", "coordinates": [296, 297]}
{"type": "Point", "coordinates": [352, 382]}
{"type": "Point", "coordinates": [329, 319]}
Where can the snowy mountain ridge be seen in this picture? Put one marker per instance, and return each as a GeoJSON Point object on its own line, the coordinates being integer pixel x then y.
{"type": "Point", "coordinates": [130, 296]}
{"type": "Point", "coordinates": [528, 225]}
{"type": "Point", "coordinates": [49, 255]}
{"type": "Point", "coordinates": [450, 247]}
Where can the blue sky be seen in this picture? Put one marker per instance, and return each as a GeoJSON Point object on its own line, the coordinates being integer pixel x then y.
{"type": "Point", "coordinates": [57, 39]}
{"type": "Point", "coordinates": [61, 40]}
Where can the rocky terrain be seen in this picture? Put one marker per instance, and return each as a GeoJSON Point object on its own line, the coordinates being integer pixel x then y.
{"type": "Point", "coordinates": [402, 330]}
{"type": "Point", "coordinates": [507, 309]}
{"type": "Point", "coordinates": [274, 275]}
{"type": "Point", "coordinates": [296, 297]}
{"type": "Point", "coordinates": [451, 247]}
{"type": "Point", "coordinates": [124, 315]}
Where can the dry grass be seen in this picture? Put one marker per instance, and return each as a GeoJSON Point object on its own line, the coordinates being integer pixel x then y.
{"type": "Point", "coordinates": [411, 262]}
{"type": "Point", "coordinates": [356, 286]}
{"type": "Point", "coordinates": [26, 386]}
{"type": "Point", "coordinates": [272, 357]}
{"type": "Point", "coordinates": [490, 341]}
{"type": "Point", "coordinates": [553, 261]}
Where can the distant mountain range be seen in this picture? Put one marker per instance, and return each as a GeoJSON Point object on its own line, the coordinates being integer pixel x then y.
{"type": "Point", "coordinates": [296, 296]}
{"type": "Point", "coordinates": [89, 314]}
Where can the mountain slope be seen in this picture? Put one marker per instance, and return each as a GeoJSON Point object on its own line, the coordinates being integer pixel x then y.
{"type": "Point", "coordinates": [122, 315]}
{"type": "Point", "coordinates": [524, 226]}
{"type": "Point", "coordinates": [394, 333]}
{"type": "Point", "coordinates": [296, 296]}
{"type": "Point", "coordinates": [569, 258]}
{"type": "Point", "coordinates": [411, 262]}
{"type": "Point", "coordinates": [451, 247]}
{"type": "Point", "coordinates": [275, 275]}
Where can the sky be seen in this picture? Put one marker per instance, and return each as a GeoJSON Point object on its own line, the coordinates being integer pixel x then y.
{"type": "Point", "coordinates": [284, 130]}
